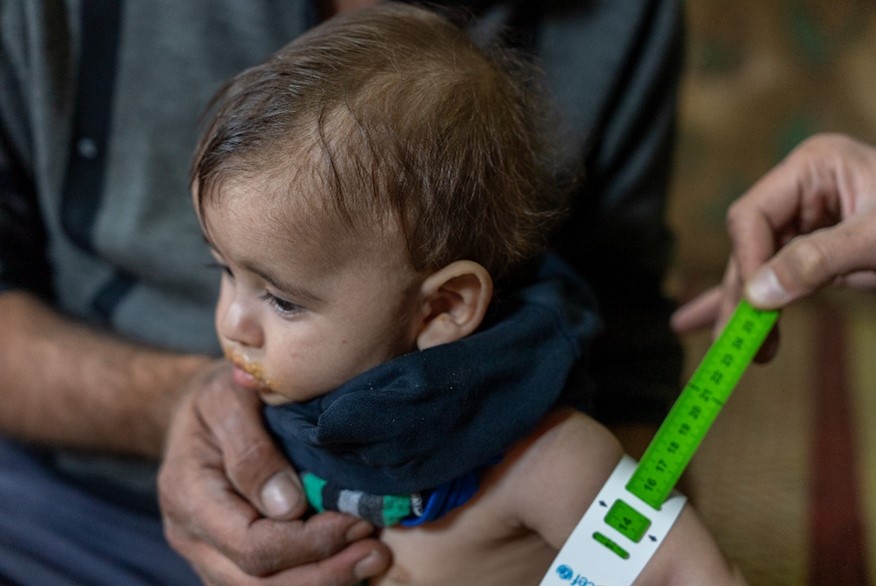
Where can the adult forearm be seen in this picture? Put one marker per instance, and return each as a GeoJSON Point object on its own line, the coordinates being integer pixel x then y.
{"type": "Point", "coordinates": [64, 383]}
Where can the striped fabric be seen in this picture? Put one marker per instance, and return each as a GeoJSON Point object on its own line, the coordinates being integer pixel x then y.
{"type": "Point", "coordinates": [379, 510]}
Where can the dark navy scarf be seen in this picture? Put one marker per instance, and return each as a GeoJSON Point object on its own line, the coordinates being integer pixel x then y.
{"type": "Point", "coordinates": [430, 416]}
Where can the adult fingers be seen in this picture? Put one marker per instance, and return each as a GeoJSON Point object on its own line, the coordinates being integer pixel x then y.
{"type": "Point", "coordinates": [204, 511]}
{"type": "Point", "coordinates": [357, 562]}
{"type": "Point", "coordinates": [706, 309]}
{"type": "Point", "coordinates": [808, 190]}
{"type": "Point", "coordinates": [251, 459]}
{"type": "Point", "coordinates": [812, 261]}
{"type": "Point", "coordinates": [731, 288]}
{"type": "Point", "coordinates": [698, 313]}
{"type": "Point", "coordinates": [711, 308]}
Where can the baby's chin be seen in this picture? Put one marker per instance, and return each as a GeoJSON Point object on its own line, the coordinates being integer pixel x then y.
{"type": "Point", "coordinates": [270, 397]}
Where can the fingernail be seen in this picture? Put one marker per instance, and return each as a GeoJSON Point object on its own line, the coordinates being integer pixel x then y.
{"type": "Point", "coordinates": [280, 495]}
{"type": "Point", "coordinates": [764, 289]}
{"type": "Point", "coordinates": [360, 530]}
{"type": "Point", "coordinates": [368, 566]}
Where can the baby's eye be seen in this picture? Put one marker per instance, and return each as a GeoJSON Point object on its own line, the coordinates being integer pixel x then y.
{"type": "Point", "coordinates": [283, 307]}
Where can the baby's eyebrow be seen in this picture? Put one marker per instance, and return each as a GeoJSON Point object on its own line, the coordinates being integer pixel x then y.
{"type": "Point", "coordinates": [298, 293]}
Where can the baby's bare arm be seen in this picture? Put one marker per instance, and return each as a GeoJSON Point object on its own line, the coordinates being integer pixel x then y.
{"type": "Point", "coordinates": [557, 474]}
{"type": "Point", "coordinates": [690, 557]}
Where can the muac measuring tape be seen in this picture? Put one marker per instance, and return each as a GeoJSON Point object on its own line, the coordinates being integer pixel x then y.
{"type": "Point", "coordinates": [636, 507]}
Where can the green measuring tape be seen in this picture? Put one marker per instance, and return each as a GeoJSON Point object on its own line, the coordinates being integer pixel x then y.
{"type": "Point", "coordinates": [700, 401]}
{"type": "Point", "coordinates": [635, 508]}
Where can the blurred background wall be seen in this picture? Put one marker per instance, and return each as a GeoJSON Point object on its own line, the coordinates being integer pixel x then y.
{"type": "Point", "coordinates": [786, 479]}
{"type": "Point", "coordinates": [761, 76]}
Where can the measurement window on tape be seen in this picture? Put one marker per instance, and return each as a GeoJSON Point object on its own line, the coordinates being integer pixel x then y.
{"type": "Point", "coordinates": [628, 521]}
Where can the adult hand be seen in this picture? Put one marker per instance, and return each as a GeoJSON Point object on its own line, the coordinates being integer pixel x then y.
{"type": "Point", "coordinates": [232, 504]}
{"type": "Point", "coordinates": [808, 223]}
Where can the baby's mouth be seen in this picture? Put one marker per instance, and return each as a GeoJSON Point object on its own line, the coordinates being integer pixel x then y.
{"type": "Point", "coordinates": [247, 373]}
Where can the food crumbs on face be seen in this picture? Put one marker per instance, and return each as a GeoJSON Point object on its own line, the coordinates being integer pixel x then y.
{"type": "Point", "coordinates": [252, 368]}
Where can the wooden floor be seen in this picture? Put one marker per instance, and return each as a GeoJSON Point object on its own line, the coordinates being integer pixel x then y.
{"type": "Point", "coordinates": [786, 478]}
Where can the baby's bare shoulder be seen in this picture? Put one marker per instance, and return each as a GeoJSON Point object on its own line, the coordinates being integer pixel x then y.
{"type": "Point", "coordinates": [566, 442]}
{"type": "Point", "coordinates": [549, 479]}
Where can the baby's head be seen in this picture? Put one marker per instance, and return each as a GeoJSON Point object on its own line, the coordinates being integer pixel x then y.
{"type": "Point", "coordinates": [362, 188]}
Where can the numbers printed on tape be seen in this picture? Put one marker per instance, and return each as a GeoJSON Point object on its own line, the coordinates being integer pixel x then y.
{"type": "Point", "coordinates": [627, 520]}
{"type": "Point", "coordinates": [699, 404]}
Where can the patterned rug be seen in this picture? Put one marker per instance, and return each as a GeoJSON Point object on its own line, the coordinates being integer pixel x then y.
{"type": "Point", "coordinates": [786, 476]}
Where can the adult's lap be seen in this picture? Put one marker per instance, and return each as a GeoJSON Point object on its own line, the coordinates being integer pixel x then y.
{"type": "Point", "coordinates": [53, 531]}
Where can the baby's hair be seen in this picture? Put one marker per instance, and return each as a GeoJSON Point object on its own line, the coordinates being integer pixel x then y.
{"type": "Point", "coordinates": [402, 117]}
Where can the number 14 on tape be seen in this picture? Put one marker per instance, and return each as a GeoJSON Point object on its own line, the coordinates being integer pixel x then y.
{"type": "Point", "coordinates": [636, 507]}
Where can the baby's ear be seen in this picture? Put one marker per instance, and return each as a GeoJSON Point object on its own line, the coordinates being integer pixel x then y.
{"type": "Point", "coordinates": [455, 300]}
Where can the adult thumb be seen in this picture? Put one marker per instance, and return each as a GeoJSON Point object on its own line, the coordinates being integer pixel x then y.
{"type": "Point", "coordinates": [253, 463]}
{"type": "Point", "coordinates": [812, 261]}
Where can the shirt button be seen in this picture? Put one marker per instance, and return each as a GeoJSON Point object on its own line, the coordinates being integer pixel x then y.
{"type": "Point", "coordinates": [87, 148]}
